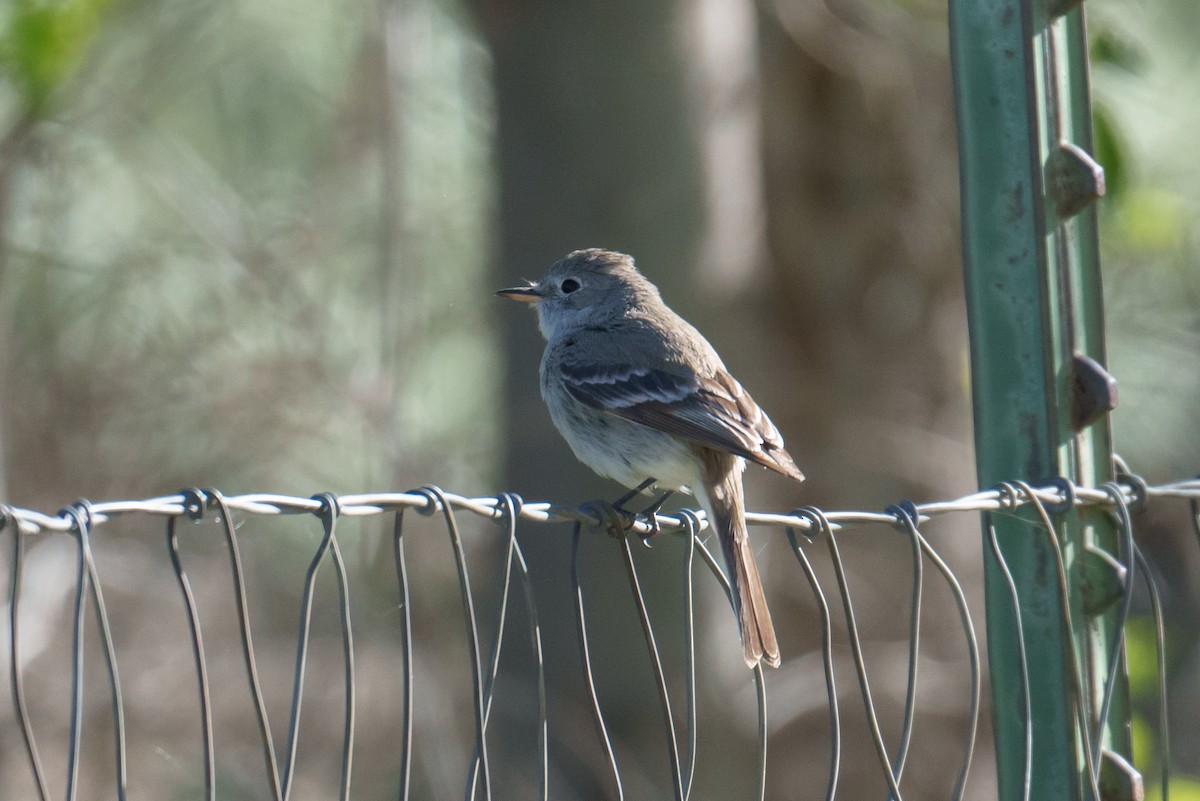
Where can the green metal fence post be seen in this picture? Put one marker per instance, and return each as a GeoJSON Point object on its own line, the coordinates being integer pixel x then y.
{"type": "Point", "coordinates": [1041, 396]}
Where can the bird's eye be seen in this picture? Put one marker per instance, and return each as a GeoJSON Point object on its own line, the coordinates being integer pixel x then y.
{"type": "Point", "coordinates": [569, 285]}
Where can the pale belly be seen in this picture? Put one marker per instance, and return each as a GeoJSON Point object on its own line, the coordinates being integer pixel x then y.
{"type": "Point", "coordinates": [622, 450]}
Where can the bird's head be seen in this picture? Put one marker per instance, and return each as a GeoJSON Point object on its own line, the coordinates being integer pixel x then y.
{"type": "Point", "coordinates": [585, 288]}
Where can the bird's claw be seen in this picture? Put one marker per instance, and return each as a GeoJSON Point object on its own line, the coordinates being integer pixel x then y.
{"type": "Point", "coordinates": [650, 515]}
{"type": "Point", "coordinates": [617, 522]}
{"type": "Point", "coordinates": [651, 520]}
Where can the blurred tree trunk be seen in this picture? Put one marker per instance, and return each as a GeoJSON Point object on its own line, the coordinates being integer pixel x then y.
{"type": "Point", "coordinates": [13, 143]}
{"type": "Point", "coordinates": [847, 326]}
{"type": "Point", "coordinates": [869, 332]}
{"type": "Point", "coordinates": [862, 228]}
{"type": "Point", "coordinates": [594, 148]}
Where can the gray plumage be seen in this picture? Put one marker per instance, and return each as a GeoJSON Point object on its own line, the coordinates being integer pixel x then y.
{"type": "Point", "coordinates": [639, 393]}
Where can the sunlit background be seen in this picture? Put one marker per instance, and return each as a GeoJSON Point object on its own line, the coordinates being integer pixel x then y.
{"type": "Point", "coordinates": [252, 245]}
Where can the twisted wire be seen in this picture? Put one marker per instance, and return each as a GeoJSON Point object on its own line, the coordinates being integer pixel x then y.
{"type": "Point", "coordinates": [1018, 639]}
{"type": "Point", "coordinates": [14, 651]}
{"type": "Point", "coordinates": [835, 719]}
{"type": "Point", "coordinates": [406, 733]}
{"type": "Point", "coordinates": [1129, 493]}
{"type": "Point", "coordinates": [585, 661]}
{"type": "Point", "coordinates": [492, 508]}
{"type": "Point", "coordinates": [201, 663]}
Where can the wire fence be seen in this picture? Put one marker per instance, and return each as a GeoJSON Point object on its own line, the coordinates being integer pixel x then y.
{"type": "Point", "coordinates": [806, 529]}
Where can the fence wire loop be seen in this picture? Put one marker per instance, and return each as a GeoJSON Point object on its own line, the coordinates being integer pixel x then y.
{"type": "Point", "coordinates": [439, 500]}
{"type": "Point", "coordinates": [1007, 495]}
{"type": "Point", "coordinates": [82, 516]}
{"type": "Point", "coordinates": [760, 689]}
{"type": "Point", "coordinates": [198, 656]}
{"type": "Point", "coordinates": [78, 514]}
{"type": "Point", "coordinates": [78, 526]}
{"type": "Point", "coordinates": [194, 503]}
{"type": "Point", "coordinates": [804, 527]}
{"type": "Point", "coordinates": [508, 510]}
{"type": "Point", "coordinates": [1138, 487]}
{"type": "Point", "coordinates": [331, 507]}
{"type": "Point", "coordinates": [1129, 560]}
{"type": "Point", "coordinates": [664, 695]}
{"type": "Point", "coordinates": [406, 686]}
{"type": "Point", "coordinates": [328, 512]}
{"type": "Point", "coordinates": [906, 514]}
{"type": "Point", "coordinates": [860, 667]}
{"type": "Point", "coordinates": [691, 524]}
{"type": "Point", "coordinates": [814, 523]}
{"type": "Point", "coordinates": [907, 519]}
{"type": "Point", "coordinates": [815, 519]}
{"type": "Point", "coordinates": [509, 505]}
{"type": "Point", "coordinates": [32, 754]}
{"type": "Point", "coordinates": [214, 499]}
{"type": "Point", "coordinates": [432, 496]}
{"type": "Point", "coordinates": [585, 662]}
{"type": "Point", "coordinates": [1065, 488]}
{"type": "Point", "coordinates": [603, 516]}
{"type": "Point", "coordinates": [1010, 497]}
{"type": "Point", "coordinates": [510, 514]}
{"type": "Point", "coordinates": [1078, 697]}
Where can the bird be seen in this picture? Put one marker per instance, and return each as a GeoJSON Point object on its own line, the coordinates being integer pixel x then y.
{"type": "Point", "coordinates": [641, 397]}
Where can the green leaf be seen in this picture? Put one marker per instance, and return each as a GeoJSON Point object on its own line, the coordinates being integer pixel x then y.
{"type": "Point", "coordinates": [1141, 658]}
{"type": "Point", "coordinates": [1109, 151]}
{"type": "Point", "coordinates": [44, 44]}
{"type": "Point", "coordinates": [1183, 788]}
{"type": "Point", "coordinates": [1153, 221]}
{"type": "Point", "coordinates": [1106, 46]}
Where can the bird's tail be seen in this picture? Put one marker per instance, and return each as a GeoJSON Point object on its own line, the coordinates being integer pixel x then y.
{"type": "Point", "coordinates": [723, 500]}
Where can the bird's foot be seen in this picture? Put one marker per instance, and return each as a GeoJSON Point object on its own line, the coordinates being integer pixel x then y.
{"type": "Point", "coordinates": [629, 517]}
{"type": "Point", "coordinates": [649, 516]}
{"type": "Point", "coordinates": [617, 522]}
{"type": "Point", "coordinates": [650, 513]}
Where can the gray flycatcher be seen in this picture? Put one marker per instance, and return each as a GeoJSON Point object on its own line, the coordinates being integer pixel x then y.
{"type": "Point", "coordinates": [643, 398]}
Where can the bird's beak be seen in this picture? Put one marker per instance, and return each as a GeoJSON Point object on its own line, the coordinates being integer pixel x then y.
{"type": "Point", "coordinates": [525, 294]}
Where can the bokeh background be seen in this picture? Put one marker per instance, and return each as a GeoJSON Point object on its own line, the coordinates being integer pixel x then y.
{"type": "Point", "coordinates": [251, 244]}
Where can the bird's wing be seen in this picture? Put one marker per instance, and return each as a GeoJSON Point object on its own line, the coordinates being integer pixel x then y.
{"type": "Point", "coordinates": [715, 411]}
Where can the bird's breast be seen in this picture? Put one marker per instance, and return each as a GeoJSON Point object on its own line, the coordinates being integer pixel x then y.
{"type": "Point", "coordinates": [616, 448]}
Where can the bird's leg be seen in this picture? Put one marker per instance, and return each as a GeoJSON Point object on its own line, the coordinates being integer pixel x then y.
{"type": "Point", "coordinates": [653, 508]}
{"type": "Point", "coordinates": [630, 517]}
{"type": "Point", "coordinates": [617, 507]}
{"type": "Point", "coordinates": [619, 504]}
{"type": "Point", "coordinates": [651, 515]}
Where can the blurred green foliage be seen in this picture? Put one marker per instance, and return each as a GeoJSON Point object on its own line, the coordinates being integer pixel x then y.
{"type": "Point", "coordinates": [44, 42]}
{"type": "Point", "coordinates": [1183, 788]}
{"type": "Point", "coordinates": [244, 244]}
{"type": "Point", "coordinates": [1146, 81]}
